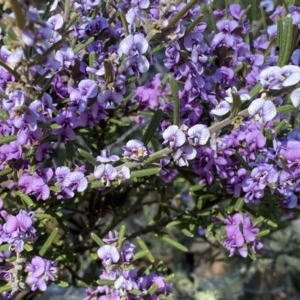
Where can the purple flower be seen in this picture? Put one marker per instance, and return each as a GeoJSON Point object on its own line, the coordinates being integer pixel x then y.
{"type": "Point", "coordinates": [108, 254]}
{"type": "Point", "coordinates": [40, 272]}
{"type": "Point", "coordinates": [262, 110]}
{"type": "Point", "coordinates": [183, 154]}
{"type": "Point", "coordinates": [133, 45]}
{"type": "Point", "coordinates": [106, 173]}
{"type": "Point", "coordinates": [76, 181]}
{"type": "Point", "coordinates": [267, 5]}
{"type": "Point", "coordinates": [109, 99]}
{"type": "Point", "coordinates": [135, 150]}
{"type": "Point", "coordinates": [66, 57]}
{"type": "Point", "coordinates": [127, 251]}
{"type": "Point", "coordinates": [173, 137]}
{"type": "Point", "coordinates": [198, 135]}
{"type": "Point", "coordinates": [124, 173]}
{"type": "Point", "coordinates": [61, 173]}
{"type": "Point", "coordinates": [249, 230]}
{"type": "Point", "coordinates": [295, 97]}
{"type": "Point", "coordinates": [105, 156]}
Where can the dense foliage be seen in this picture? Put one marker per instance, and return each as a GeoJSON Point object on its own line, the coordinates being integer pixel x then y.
{"type": "Point", "coordinates": [182, 111]}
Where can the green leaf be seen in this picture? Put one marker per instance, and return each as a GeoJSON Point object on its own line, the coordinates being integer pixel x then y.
{"type": "Point", "coordinates": [124, 22]}
{"type": "Point", "coordinates": [96, 239]}
{"type": "Point", "coordinates": [105, 282]}
{"type": "Point", "coordinates": [135, 292]}
{"type": "Point", "coordinates": [174, 244]}
{"type": "Point", "coordinates": [25, 198]}
{"type": "Point", "coordinates": [69, 153]}
{"type": "Point", "coordinates": [255, 90]}
{"type": "Point", "coordinates": [241, 160]}
{"type": "Point", "coordinates": [121, 236]}
{"type": "Point", "coordinates": [263, 233]}
{"type": "Point", "coordinates": [158, 48]}
{"type": "Point", "coordinates": [187, 233]}
{"type": "Point", "coordinates": [96, 184]}
{"type": "Point", "coordinates": [5, 288]}
{"type": "Point", "coordinates": [28, 247]}
{"type": "Point", "coordinates": [4, 247]}
{"type": "Point", "coordinates": [152, 127]}
{"type": "Point", "coordinates": [144, 247]}
{"type": "Point", "coordinates": [258, 220]}
{"type": "Point", "coordinates": [287, 42]}
{"type": "Point", "coordinates": [169, 277]}
{"type": "Point", "coordinates": [7, 139]}
{"type": "Point", "coordinates": [176, 101]}
{"type": "Point", "coordinates": [140, 254]}
{"type": "Point", "coordinates": [239, 204]}
{"type": "Point", "coordinates": [3, 115]}
{"type": "Point", "coordinates": [40, 58]}
{"type": "Point", "coordinates": [152, 289]}
{"type": "Point", "coordinates": [43, 216]}
{"type": "Point", "coordinates": [236, 104]}
{"type": "Point", "coordinates": [285, 108]}
{"type": "Point", "coordinates": [264, 21]}
{"type": "Point", "coordinates": [6, 171]}
{"type": "Point", "coordinates": [108, 71]}
{"type": "Point", "coordinates": [173, 223]}
{"type": "Point", "coordinates": [145, 172]}
{"type": "Point", "coordinates": [88, 157]}
{"type": "Point", "coordinates": [83, 46]}
{"type": "Point", "coordinates": [92, 59]}
{"type": "Point", "coordinates": [62, 283]}
{"type": "Point", "coordinates": [197, 187]}
{"type": "Point", "coordinates": [48, 242]}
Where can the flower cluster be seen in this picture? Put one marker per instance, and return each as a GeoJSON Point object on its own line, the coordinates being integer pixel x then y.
{"type": "Point", "coordinates": [126, 282]}
{"type": "Point", "coordinates": [241, 235]}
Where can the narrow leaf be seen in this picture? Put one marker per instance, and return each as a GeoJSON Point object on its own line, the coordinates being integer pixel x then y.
{"type": "Point", "coordinates": [88, 156]}
{"type": "Point", "coordinates": [121, 236]}
{"type": "Point", "coordinates": [83, 46]}
{"type": "Point", "coordinates": [144, 172]}
{"type": "Point", "coordinates": [105, 282]}
{"type": "Point", "coordinates": [144, 247]}
{"type": "Point", "coordinates": [152, 127]}
{"type": "Point", "coordinates": [48, 242]}
{"type": "Point", "coordinates": [263, 233]}
{"type": "Point", "coordinates": [96, 239]}
{"type": "Point", "coordinates": [140, 254]}
{"type": "Point", "coordinates": [7, 139]}
{"type": "Point", "coordinates": [239, 204]}
{"type": "Point", "coordinates": [176, 103]}
{"type": "Point", "coordinates": [25, 198]}
{"type": "Point", "coordinates": [3, 114]}
{"type": "Point", "coordinates": [174, 244]}
{"type": "Point", "coordinates": [153, 288]}
{"type": "Point", "coordinates": [62, 283]}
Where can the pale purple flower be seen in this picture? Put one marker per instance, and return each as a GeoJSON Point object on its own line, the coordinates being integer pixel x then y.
{"type": "Point", "coordinates": [108, 254]}
{"type": "Point", "coordinates": [260, 177]}
{"type": "Point", "coordinates": [183, 154]}
{"type": "Point", "coordinates": [198, 135]}
{"type": "Point", "coordinates": [122, 283]}
{"type": "Point", "coordinates": [109, 99]}
{"type": "Point", "coordinates": [105, 156]}
{"type": "Point", "coordinates": [174, 137]}
{"type": "Point", "coordinates": [133, 45]}
{"type": "Point", "coordinates": [61, 173]}
{"type": "Point", "coordinates": [135, 149]}
{"type": "Point", "coordinates": [88, 88]}
{"type": "Point", "coordinates": [296, 57]}
{"type": "Point", "coordinates": [221, 109]}
{"type": "Point", "coordinates": [289, 75]}
{"type": "Point", "coordinates": [295, 97]}
{"type": "Point", "coordinates": [65, 56]}
{"type": "Point", "coordinates": [56, 22]}
{"type": "Point", "coordinates": [106, 173]}
{"type": "Point", "coordinates": [249, 230]}
{"type": "Point", "coordinates": [267, 5]}
{"type": "Point", "coordinates": [269, 77]}
{"type": "Point", "coordinates": [127, 251]}
{"type": "Point", "coordinates": [124, 173]}
{"type": "Point", "coordinates": [40, 271]}
{"type": "Point", "coordinates": [76, 181]}
{"type": "Point", "coordinates": [262, 110]}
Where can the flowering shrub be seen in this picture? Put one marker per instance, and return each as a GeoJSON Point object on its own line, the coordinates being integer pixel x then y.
{"type": "Point", "coordinates": [89, 126]}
